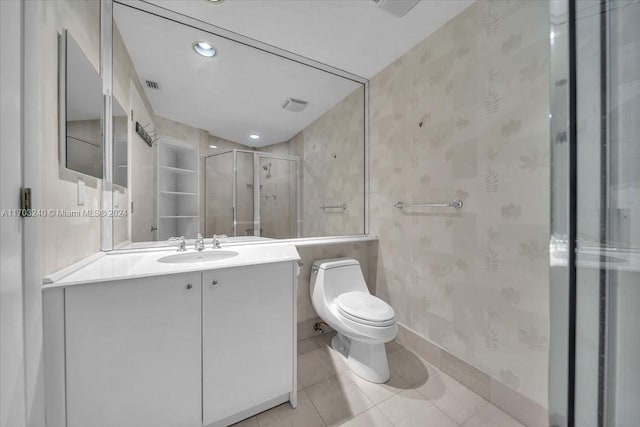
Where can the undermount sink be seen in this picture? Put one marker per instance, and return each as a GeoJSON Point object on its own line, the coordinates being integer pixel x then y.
{"type": "Point", "coordinates": [197, 257]}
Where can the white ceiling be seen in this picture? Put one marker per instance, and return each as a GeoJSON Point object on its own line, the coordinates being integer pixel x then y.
{"type": "Point", "coordinates": [241, 90]}
{"type": "Point", "coordinates": [238, 92]}
{"type": "Point", "coordinates": [352, 35]}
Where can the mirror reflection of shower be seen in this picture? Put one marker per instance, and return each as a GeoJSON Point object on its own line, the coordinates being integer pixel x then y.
{"type": "Point", "coordinates": [245, 197]}
{"type": "Point", "coordinates": [267, 167]}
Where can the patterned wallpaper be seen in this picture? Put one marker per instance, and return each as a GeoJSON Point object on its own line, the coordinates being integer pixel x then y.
{"type": "Point", "coordinates": [332, 149]}
{"type": "Point", "coordinates": [464, 114]}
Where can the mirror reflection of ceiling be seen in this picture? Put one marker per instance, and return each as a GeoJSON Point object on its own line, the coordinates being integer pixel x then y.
{"type": "Point", "coordinates": [353, 35]}
{"type": "Point", "coordinates": [84, 95]}
{"type": "Point", "coordinates": [238, 92]}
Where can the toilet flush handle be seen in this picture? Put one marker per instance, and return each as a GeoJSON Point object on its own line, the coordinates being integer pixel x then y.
{"type": "Point", "coordinates": [314, 271]}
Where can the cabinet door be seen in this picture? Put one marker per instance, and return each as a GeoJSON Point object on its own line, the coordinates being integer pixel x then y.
{"type": "Point", "coordinates": [247, 337]}
{"type": "Point", "coordinates": [134, 352]}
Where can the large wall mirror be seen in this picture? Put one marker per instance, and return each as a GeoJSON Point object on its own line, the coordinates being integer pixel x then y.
{"type": "Point", "coordinates": [81, 103]}
{"type": "Point", "coordinates": [228, 138]}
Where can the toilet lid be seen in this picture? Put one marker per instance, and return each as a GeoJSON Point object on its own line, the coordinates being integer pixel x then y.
{"type": "Point", "coordinates": [362, 305]}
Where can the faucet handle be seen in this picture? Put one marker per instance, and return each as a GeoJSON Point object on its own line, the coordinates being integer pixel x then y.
{"type": "Point", "coordinates": [216, 240]}
{"type": "Point", "coordinates": [183, 244]}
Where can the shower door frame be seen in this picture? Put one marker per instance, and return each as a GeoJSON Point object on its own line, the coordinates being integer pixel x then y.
{"type": "Point", "coordinates": [257, 155]}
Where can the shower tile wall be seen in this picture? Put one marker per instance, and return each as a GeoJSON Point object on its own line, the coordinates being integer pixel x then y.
{"type": "Point", "coordinates": [464, 114]}
{"type": "Point", "coordinates": [278, 194]}
{"type": "Point", "coordinates": [332, 149]}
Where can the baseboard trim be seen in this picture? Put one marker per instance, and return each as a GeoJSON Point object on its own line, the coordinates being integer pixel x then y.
{"type": "Point", "coordinates": [519, 406]}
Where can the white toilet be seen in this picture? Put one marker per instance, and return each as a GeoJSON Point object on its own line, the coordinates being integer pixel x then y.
{"type": "Point", "coordinates": [362, 321]}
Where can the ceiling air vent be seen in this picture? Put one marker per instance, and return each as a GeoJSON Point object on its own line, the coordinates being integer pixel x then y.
{"type": "Point", "coordinates": [295, 105]}
{"type": "Point", "coordinates": [152, 84]}
{"type": "Point", "coordinates": [397, 8]}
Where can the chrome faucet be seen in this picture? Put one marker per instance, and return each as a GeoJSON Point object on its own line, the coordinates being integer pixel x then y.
{"type": "Point", "coordinates": [216, 240]}
{"type": "Point", "coordinates": [182, 245]}
{"type": "Point", "coordinates": [199, 243]}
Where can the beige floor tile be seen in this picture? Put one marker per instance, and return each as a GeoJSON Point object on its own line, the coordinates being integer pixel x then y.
{"type": "Point", "coordinates": [410, 409]}
{"type": "Point", "coordinates": [408, 366]}
{"type": "Point", "coordinates": [284, 416]}
{"type": "Point", "coordinates": [380, 392]}
{"type": "Point", "coordinates": [249, 422]}
{"type": "Point", "coordinates": [311, 369]}
{"type": "Point", "coordinates": [331, 360]}
{"type": "Point", "coordinates": [457, 401]}
{"type": "Point", "coordinates": [369, 418]}
{"type": "Point", "coordinates": [338, 399]}
{"type": "Point", "coordinates": [305, 346]}
{"type": "Point", "coordinates": [491, 416]}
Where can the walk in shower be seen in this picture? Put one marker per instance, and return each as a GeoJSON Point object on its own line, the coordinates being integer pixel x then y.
{"type": "Point", "coordinates": [252, 193]}
{"type": "Point", "coordinates": [595, 227]}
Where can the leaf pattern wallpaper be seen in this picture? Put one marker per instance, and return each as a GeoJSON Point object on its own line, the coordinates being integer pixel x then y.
{"type": "Point", "coordinates": [464, 114]}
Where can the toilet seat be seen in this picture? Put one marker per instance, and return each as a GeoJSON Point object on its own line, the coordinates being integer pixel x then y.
{"type": "Point", "coordinates": [364, 308]}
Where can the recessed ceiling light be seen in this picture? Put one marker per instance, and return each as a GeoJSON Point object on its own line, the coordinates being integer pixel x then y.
{"type": "Point", "coordinates": [204, 49]}
{"type": "Point", "coordinates": [254, 136]}
{"type": "Point", "coordinates": [216, 1]}
{"type": "Point", "coordinates": [213, 146]}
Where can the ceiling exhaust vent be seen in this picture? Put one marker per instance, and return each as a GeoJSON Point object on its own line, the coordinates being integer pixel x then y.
{"type": "Point", "coordinates": [295, 105]}
{"type": "Point", "coordinates": [397, 8]}
{"type": "Point", "coordinates": [152, 85]}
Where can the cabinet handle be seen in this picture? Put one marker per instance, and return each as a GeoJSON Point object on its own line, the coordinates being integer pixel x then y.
{"type": "Point", "coordinates": [189, 286]}
{"type": "Point", "coordinates": [214, 283]}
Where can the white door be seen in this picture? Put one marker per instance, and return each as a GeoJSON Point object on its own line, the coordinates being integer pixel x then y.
{"type": "Point", "coordinates": [247, 341]}
{"type": "Point", "coordinates": [134, 353]}
{"type": "Point", "coordinates": [12, 361]}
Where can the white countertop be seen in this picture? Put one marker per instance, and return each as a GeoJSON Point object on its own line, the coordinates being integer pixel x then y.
{"type": "Point", "coordinates": [130, 265]}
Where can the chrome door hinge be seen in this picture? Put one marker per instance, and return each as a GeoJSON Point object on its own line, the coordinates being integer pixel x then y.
{"type": "Point", "coordinates": [25, 202]}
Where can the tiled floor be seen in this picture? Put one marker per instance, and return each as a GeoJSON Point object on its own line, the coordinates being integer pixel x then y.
{"type": "Point", "coordinates": [417, 394]}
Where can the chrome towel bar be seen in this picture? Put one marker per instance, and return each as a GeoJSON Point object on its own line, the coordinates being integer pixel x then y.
{"type": "Point", "coordinates": [342, 206]}
{"type": "Point", "coordinates": [455, 204]}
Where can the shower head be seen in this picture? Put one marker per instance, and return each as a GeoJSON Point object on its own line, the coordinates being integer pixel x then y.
{"type": "Point", "coordinates": [267, 167]}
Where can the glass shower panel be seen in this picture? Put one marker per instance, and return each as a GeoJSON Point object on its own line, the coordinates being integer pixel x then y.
{"type": "Point", "coordinates": [244, 194]}
{"type": "Point", "coordinates": [608, 213]}
{"type": "Point", "coordinates": [278, 196]}
{"type": "Point", "coordinates": [219, 194]}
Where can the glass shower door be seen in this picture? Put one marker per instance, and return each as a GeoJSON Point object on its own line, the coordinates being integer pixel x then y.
{"type": "Point", "coordinates": [277, 197]}
{"type": "Point", "coordinates": [244, 200]}
{"type": "Point", "coordinates": [602, 251]}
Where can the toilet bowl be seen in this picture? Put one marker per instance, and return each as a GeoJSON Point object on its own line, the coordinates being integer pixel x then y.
{"type": "Point", "coordinates": [362, 321]}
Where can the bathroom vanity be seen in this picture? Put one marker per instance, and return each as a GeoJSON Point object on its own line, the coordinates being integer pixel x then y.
{"type": "Point", "coordinates": [132, 340]}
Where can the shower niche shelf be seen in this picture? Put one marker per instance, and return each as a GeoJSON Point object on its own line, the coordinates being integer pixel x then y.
{"type": "Point", "coordinates": [178, 188]}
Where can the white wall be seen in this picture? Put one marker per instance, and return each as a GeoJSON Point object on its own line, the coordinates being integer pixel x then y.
{"type": "Point", "coordinates": [12, 362]}
{"type": "Point", "coordinates": [68, 239]}
{"type": "Point", "coordinates": [21, 391]}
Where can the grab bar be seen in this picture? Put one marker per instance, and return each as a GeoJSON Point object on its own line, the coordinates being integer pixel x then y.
{"type": "Point", "coordinates": [455, 204]}
{"type": "Point", "coordinates": [342, 206]}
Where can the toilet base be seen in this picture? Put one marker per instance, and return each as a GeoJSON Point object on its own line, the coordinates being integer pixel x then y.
{"type": "Point", "coordinates": [368, 361]}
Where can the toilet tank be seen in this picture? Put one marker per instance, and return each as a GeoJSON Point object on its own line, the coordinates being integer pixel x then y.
{"type": "Point", "coordinates": [333, 277]}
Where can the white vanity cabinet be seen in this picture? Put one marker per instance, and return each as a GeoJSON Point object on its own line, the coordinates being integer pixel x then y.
{"type": "Point", "coordinates": [133, 352]}
{"type": "Point", "coordinates": [171, 349]}
{"type": "Point", "coordinates": [248, 337]}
